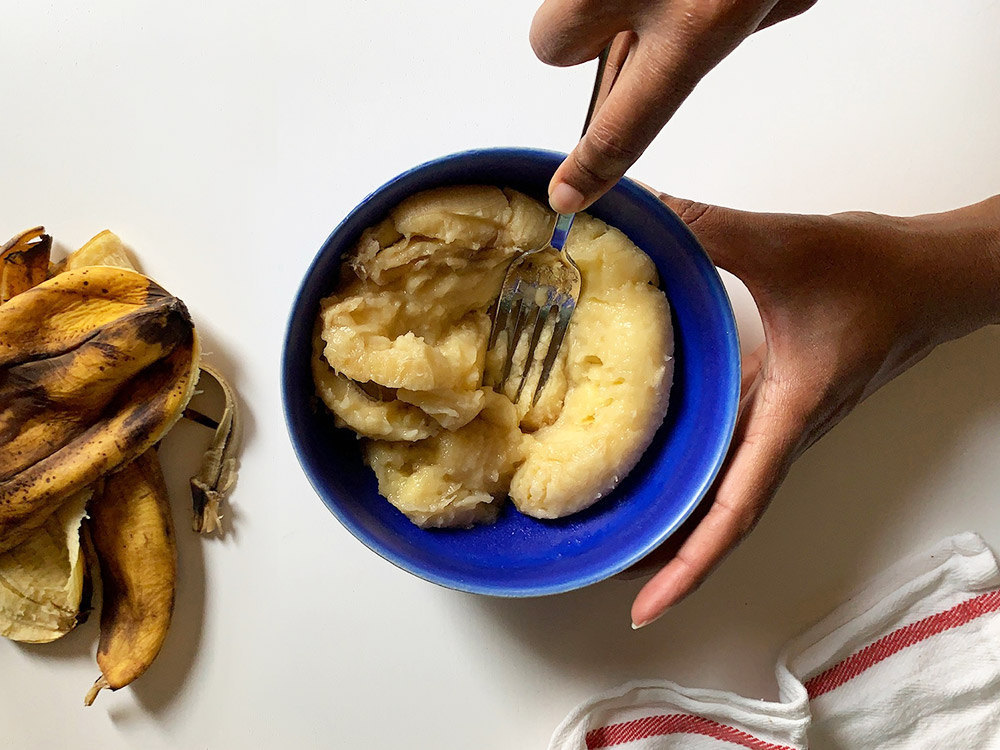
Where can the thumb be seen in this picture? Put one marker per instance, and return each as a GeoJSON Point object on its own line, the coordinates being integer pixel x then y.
{"type": "Point", "coordinates": [742, 242]}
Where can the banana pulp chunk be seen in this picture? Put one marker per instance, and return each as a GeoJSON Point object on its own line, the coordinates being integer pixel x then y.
{"type": "Point", "coordinates": [411, 314]}
{"type": "Point", "coordinates": [455, 478]}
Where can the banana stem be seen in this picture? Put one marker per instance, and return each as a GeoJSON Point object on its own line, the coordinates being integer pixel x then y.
{"type": "Point", "coordinates": [102, 682]}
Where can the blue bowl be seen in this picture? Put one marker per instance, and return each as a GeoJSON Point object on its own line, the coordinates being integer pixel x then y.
{"type": "Point", "coordinates": [521, 556]}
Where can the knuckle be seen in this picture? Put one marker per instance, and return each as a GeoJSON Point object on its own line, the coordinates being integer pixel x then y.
{"type": "Point", "coordinates": [546, 49]}
{"type": "Point", "coordinates": [738, 515]}
{"type": "Point", "coordinates": [612, 146]}
{"type": "Point", "coordinates": [694, 569]}
{"type": "Point", "coordinates": [555, 30]}
{"type": "Point", "coordinates": [712, 13]}
{"type": "Point", "coordinates": [546, 46]}
{"type": "Point", "coordinates": [588, 169]}
{"type": "Point", "coordinates": [699, 17]}
{"type": "Point", "coordinates": [701, 29]}
{"type": "Point", "coordinates": [690, 212]}
{"type": "Point", "coordinates": [602, 156]}
{"type": "Point", "coordinates": [678, 61]}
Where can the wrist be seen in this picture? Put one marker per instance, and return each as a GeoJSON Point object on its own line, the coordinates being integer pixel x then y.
{"type": "Point", "coordinates": [958, 254]}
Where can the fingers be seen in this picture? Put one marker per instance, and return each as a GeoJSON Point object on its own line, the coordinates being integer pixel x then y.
{"type": "Point", "coordinates": [568, 33]}
{"type": "Point", "coordinates": [752, 367]}
{"type": "Point", "coordinates": [766, 437]}
{"type": "Point", "coordinates": [617, 55]}
{"type": "Point", "coordinates": [648, 91]}
{"type": "Point", "coordinates": [784, 10]}
{"type": "Point", "coordinates": [677, 44]}
{"type": "Point", "coordinates": [666, 551]}
{"type": "Point", "coordinates": [675, 48]}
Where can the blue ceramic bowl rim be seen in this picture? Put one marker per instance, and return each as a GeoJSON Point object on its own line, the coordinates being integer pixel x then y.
{"type": "Point", "coordinates": [730, 335]}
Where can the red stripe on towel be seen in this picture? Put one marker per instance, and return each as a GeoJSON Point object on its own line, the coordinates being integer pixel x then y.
{"type": "Point", "coordinates": [658, 726]}
{"type": "Point", "coordinates": [901, 638]}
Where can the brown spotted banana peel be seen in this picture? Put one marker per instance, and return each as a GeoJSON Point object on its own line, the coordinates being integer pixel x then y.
{"type": "Point", "coordinates": [45, 585]}
{"type": "Point", "coordinates": [217, 474]}
{"type": "Point", "coordinates": [58, 318]}
{"type": "Point", "coordinates": [94, 427]}
{"type": "Point", "coordinates": [47, 402]}
{"type": "Point", "coordinates": [67, 309]}
{"type": "Point", "coordinates": [133, 535]}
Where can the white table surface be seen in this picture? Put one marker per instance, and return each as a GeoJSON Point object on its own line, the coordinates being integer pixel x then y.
{"type": "Point", "coordinates": [223, 141]}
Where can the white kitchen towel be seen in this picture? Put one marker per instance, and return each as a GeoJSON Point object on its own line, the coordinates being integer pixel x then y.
{"type": "Point", "coordinates": [911, 662]}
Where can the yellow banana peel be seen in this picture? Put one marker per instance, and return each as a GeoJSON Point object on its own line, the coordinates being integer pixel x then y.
{"type": "Point", "coordinates": [103, 249]}
{"type": "Point", "coordinates": [41, 579]}
{"type": "Point", "coordinates": [79, 400]}
{"type": "Point", "coordinates": [24, 262]}
{"type": "Point", "coordinates": [97, 363]}
{"type": "Point", "coordinates": [134, 537]}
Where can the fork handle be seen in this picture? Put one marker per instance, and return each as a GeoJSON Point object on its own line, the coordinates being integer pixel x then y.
{"type": "Point", "coordinates": [564, 222]}
{"type": "Point", "coordinates": [609, 65]}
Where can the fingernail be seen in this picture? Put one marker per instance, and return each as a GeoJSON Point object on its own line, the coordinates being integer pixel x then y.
{"type": "Point", "coordinates": [566, 199]}
{"type": "Point", "coordinates": [644, 623]}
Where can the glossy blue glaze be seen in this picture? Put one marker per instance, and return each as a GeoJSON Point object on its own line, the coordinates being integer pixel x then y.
{"type": "Point", "coordinates": [521, 556]}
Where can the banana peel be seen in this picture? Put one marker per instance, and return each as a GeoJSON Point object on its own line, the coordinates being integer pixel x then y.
{"type": "Point", "coordinates": [91, 572]}
{"type": "Point", "coordinates": [97, 363]}
{"type": "Point", "coordinates": [24, 262]}
{"type": "Point", "coordinates": [64, 311]}
{"type": "Point", "coordinates": [42, 580]}
{"type": "Point", "coordinates": [54, 340]}
{"type": "Point", "coordinates": [133, 535]}
{"type": "Point", "coordinates": [103, 249]}
{"type": "Point", "coordinates": [217, 475]}
{"type": "Point", "coordinates": [47, 402]}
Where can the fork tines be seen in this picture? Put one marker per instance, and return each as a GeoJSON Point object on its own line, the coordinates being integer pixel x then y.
{"type": "Point", "coordinates": [529, 306]}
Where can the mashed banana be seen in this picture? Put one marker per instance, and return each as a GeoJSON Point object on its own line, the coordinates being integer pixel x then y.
{"type": "Point", "coordinates": [400, 355]}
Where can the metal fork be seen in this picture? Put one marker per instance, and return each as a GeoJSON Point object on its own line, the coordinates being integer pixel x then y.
{"type": "Point", "coordinates": [540, 282]}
